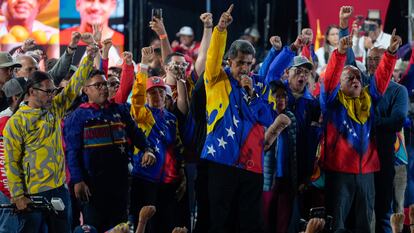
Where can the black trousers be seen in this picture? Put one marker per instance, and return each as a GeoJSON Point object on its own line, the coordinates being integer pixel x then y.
{"type": "Point", "coordinates": [234, 195]}
{"type": "Point", "coordinates": [384, 192]}
{"type": "Point", "coordinates": [350, 200]}
{"type": "Point", "coordinates": [201, 193]}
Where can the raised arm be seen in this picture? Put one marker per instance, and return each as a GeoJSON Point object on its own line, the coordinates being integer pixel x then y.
{"type": "Point", "coordinates": [344, 14]}
{"type": "Point", "coordinates": [62, 66]}
{"type": "Point", "coordinates": [157, 25]}
{"type": "Point", "coordinates": [127, 79]}
{"type": "Point", "coordinates": [106, 46]}
{"type": "Point", "coordinates": [62, 102]}
{"type": "Point", "coordinates": [283, 60]}
{"type": "Point", "coordinates": [383, 73]}
{"type": "Point", "coordinates": [276, 43]}
{"type": "Point", "coordinates": [336, 64]}
{"type": "Point", "coordinates": [200, 64]}
{"type": "Point", "coordinates": [215, 52]}
{"type": "Point", "coordinates": [139, 88]}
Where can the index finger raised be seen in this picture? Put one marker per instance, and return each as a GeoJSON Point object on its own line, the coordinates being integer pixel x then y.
{"type": "Point", "coordinates": [393, 32]}
{"type": "Point", "coordinates": [230, 9]}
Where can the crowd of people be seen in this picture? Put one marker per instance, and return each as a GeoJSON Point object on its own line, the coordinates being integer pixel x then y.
{"type": "Point", "coordinates": [196, 138]}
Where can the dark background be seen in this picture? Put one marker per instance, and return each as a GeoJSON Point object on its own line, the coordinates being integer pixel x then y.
{"type": "Point", "coordinates": [283, 18]}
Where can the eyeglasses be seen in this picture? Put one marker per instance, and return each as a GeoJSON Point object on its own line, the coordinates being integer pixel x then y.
{"type": "Point", "coordinates": [113, 84]}
{"type": "Point", "coordinates": [299, 71]}
{"type": "Point", "coordinates": [99, 85]}
{"type": "Point", "coordinates": [49, 92]}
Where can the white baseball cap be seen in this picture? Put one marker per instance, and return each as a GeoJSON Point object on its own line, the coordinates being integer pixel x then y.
{"type": "Point", "coordinates": [185, 31]}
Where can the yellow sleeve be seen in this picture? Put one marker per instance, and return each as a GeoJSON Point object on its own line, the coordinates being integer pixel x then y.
{"type": "Point", "coordinates": [138, 110]}
{"type": "Point", "coordinates": [63, 101]}
{"type": "Point", "coordinates": [215, 55]}
{"type": "Point", "coordinates": [13, 142]}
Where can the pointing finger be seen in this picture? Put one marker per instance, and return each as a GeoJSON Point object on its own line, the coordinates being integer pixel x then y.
{"type": "Point", "coordinates": [230, 9]}
{"type": "Point", "coordinates": [393, 32]}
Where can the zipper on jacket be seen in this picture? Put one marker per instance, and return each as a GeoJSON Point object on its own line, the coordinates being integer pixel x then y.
{"type": "Point", "coordinates": [28, 173]}
{"type": "Point", "coordinates": [362, 142]}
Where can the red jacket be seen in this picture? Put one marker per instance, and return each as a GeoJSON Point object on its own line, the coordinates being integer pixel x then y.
{"type": "Point", "coordinates": [349, 146]}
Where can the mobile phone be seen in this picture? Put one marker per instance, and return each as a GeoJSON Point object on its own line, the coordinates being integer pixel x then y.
{"type": "Point", "coordinates": [318, 212]}
{"type": "Point", "coordinates": [157, 13]}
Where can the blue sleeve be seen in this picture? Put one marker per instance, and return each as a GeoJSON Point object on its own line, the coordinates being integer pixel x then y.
{"type": "Point", "coordinates": [262, 111]}
{"type": "Point", "coordinates": [72, 131]}
{"type": "Point", "coordinates": [136, 135]}
{"type": "Point", "coordinates": [395, 121]}
{"type": "Point", "coordinates": [267, 61]}
{"type": "Point", "coordinates": [350, 56]}
{"type": "Point", "coordinates": [279, 64]}
{"type": "Point", "coordinates": [408, 80]}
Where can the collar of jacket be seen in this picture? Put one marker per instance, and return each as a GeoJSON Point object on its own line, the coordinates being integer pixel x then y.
{"type": "Point", "coordinates": [95, 106]}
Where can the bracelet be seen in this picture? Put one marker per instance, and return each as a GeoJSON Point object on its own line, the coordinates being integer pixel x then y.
{"type": "Point", "coordinates": [209, 26]}
{"type": "Point", "coordinates": [163, 36]}
{"type": "Point", "coordinates": [72, 48]}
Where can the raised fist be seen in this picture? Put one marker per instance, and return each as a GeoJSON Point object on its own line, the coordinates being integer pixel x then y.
{"type": "Point", "coordinates": [207, 19]}
{"type": "Point", "coordinates": [276, 42]}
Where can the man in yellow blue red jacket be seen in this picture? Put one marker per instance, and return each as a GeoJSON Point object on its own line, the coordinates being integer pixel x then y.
{"type": "Point", "coordinates": [236, 119]}
{"type": "Point", "coordinates": [349, 153]}
{"type": "Point", "coordinates": [34, 158]}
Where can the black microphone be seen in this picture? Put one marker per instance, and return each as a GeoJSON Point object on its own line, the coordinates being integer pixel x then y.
{"type": "Point", "coordinates": [246, 87]}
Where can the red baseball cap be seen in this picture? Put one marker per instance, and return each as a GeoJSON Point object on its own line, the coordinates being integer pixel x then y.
{"type": "Point", "coordinates": [155, 81]}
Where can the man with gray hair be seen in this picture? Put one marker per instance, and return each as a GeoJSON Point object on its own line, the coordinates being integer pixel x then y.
{"type": "Point", "coordinates": [237, 117]}
{"type": "Point", "coordinates": [7, 66]}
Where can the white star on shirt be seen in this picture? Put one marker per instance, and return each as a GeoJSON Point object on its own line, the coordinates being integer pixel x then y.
{"type": "Point", "coordinates": [235, 121]}
{"type": "Point", "coordinates": [222, 143]}
{"type": "Point", "coordinates": [354, 134]}
{"type": "Point", "coordinates": [122, 148]}
{"type": "Point", "coordinates": [230, 132]}
{"type": "Point", "coordinates": [162, 133]}
{"type": "Point", "coordinates": [245, 97]}
{"type": "Point", "coordinates": [116, 115]}
{"type": "Point", "coordinates": [211, 150]}
{"type": "Point", "coordinates": [157, 149]}
{"type": "Point", "coordinates": [158, 140]}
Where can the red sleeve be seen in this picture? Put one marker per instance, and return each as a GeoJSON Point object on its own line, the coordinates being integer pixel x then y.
{"type": "Point", "coordinates": [334, 70]}
{"type": "Point", "coordinates": [384, 71]}
{"type": "Point", "coordinates": [306, 52]}
{"type": "Point", "coordinates": [127, 80]}
{"type": "Point", "coordinates": [105, 64]}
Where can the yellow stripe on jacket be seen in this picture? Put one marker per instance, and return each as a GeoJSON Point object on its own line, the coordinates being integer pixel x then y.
{"type": "Point", "coordinates": [141, 114]}
{"type": "Point", "coordinates": [34, 158]}
{"type": "Point", "coordinates": [217, 83]}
